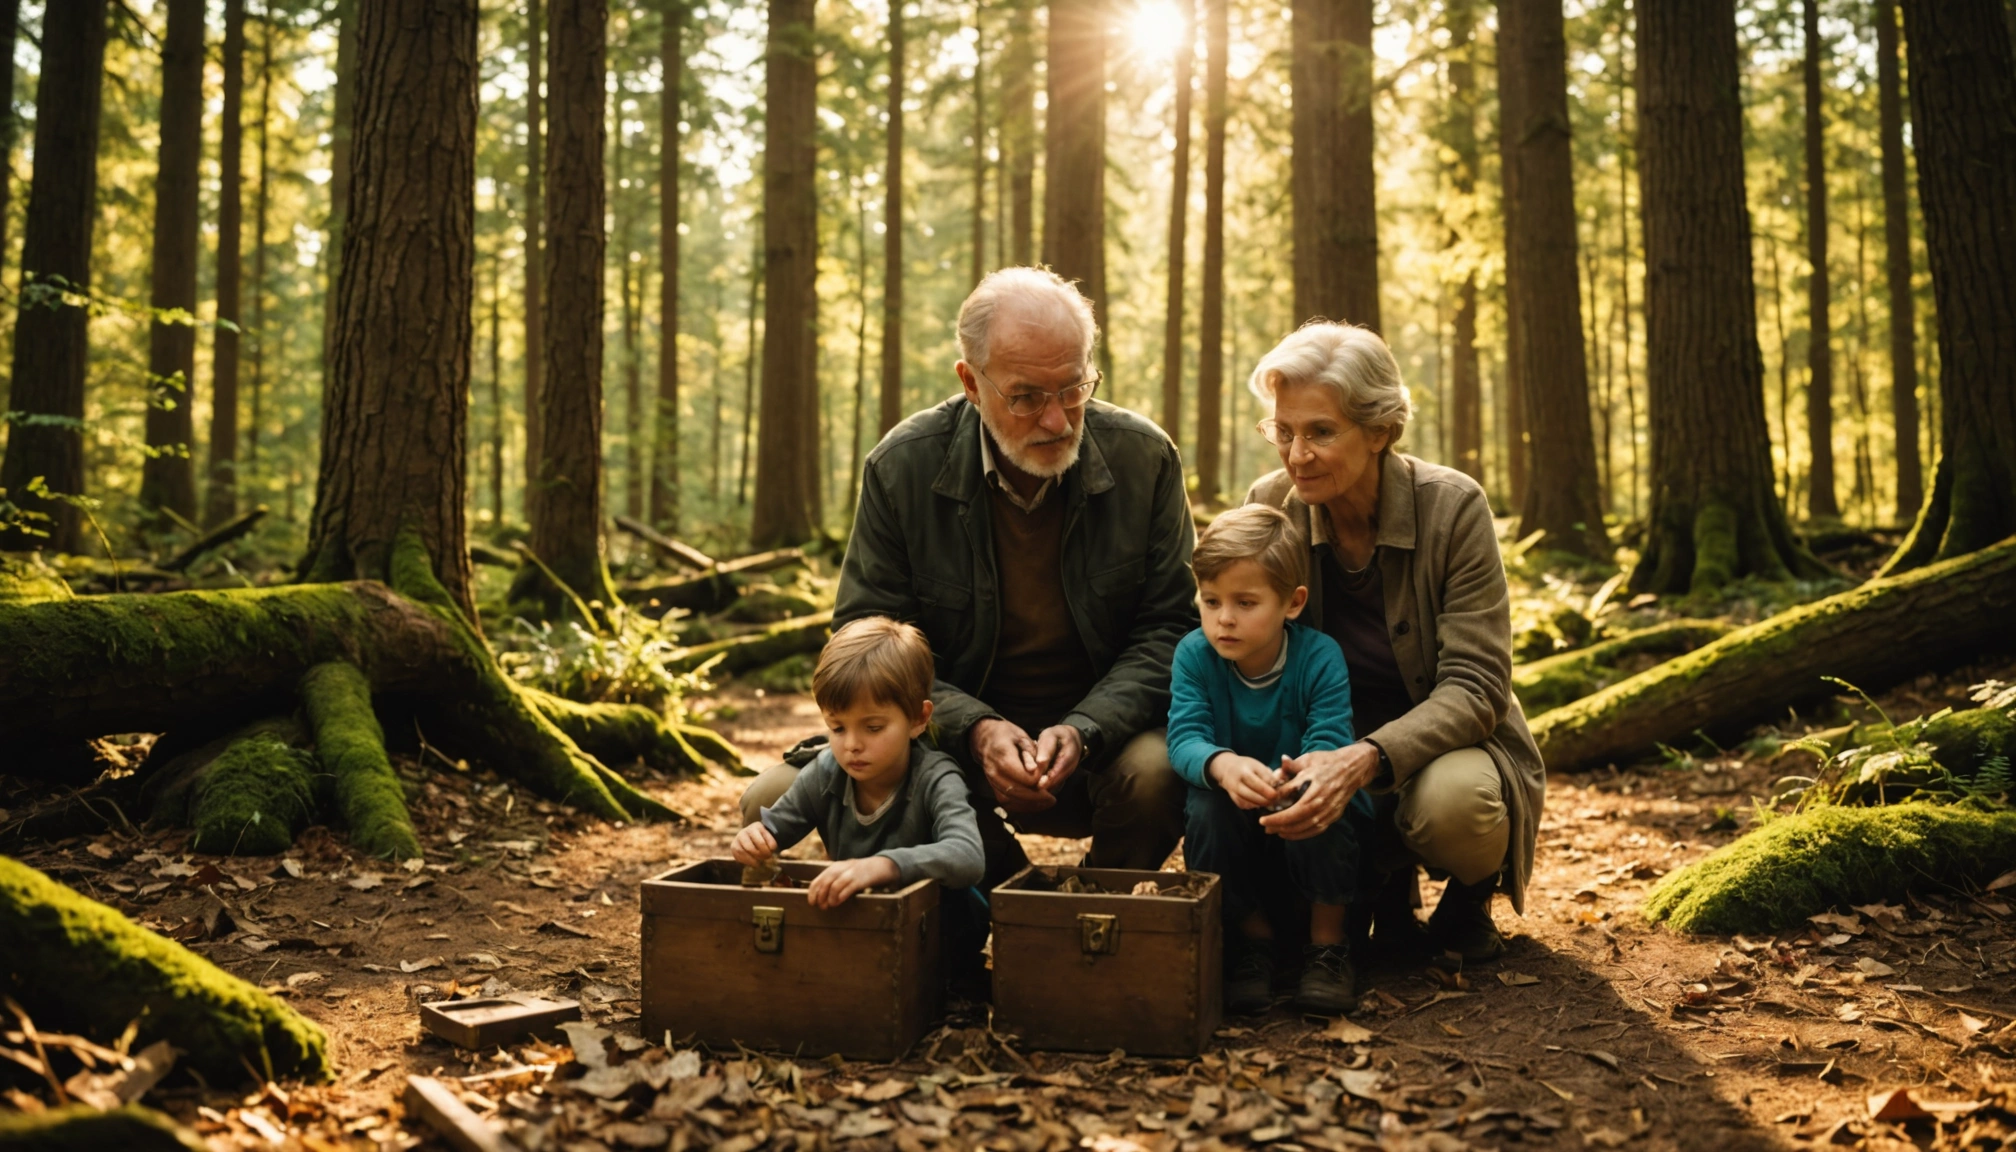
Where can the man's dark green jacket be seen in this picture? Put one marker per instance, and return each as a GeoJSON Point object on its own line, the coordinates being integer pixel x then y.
{"type": "Point", "coordinates": [923, 551]}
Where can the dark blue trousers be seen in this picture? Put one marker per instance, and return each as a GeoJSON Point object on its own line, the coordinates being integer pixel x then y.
{"type": "Point", "coordinates": [1221, 837]}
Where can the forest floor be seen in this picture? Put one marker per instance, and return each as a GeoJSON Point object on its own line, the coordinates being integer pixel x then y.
{"type": "Point", "coordinates": [1596, 1029]}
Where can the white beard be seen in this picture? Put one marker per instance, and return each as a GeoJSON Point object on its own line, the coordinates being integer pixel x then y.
{"type": "Point", "coordinates": [1013, 450]}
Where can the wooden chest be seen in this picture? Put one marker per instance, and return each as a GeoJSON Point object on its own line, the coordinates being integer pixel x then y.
{"type": "Point", "coordinates": [1095, 971]}
{"type": "Point", "coordinates": [760, 966]}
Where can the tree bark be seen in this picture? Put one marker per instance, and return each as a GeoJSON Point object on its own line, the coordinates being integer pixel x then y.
{"type": "Point", "coordinates": [395, 415]}
{"type": "Point", "coordinates": [630, 293]}
{"type": "Point", "coordinates": [1018, 133]}
{"type": "Point", "coordinates": [566, 506]}
{"type": "Point", "coordinates": [496, 445]}
{"type": "Point", "coordinates": [1715, 515]}
{"type": "Point", "coordinates": [1466, 384]}
{"type": "Point", "coordinates": [221, 497]}
{"type": "Point", "coordinates": [979, 143]}
{"type": "Point", "coordinates": [1333, 186]}
{"type": "Point", "coordinates": [1074, 136]}
{"type": "Point", "coordinates": [1179, 233]}
{"type": "Point", "coordinates": [340, 131]}
{"type": "Point", "coordinates": [1963, 115]}
{"type": "Point", "coordinates": [51, 349]}
{"type": "Point", "coordinates": [261, 200]}
{"type": "Point", "coordinates": [1897, 267]}
{"type": "Point", "coordinates": [892, 234]}
{"type": "Point", "coordinates": [1820, 501]}
{"type": "Point", "coordinates": [787, 444]}
{"type": "Point", "coordinates": [1873, 636]}
{"type": "Point", "coordinates": [10, 31]}
{"type": "Point", "coordinates": [1211, 322]}
{"type": "Point", "coordinates": [665, 478]}
{"type": "Point", "coordinates": [1542, 285]}
{"type": "Point", "coordinates": [535, 246]}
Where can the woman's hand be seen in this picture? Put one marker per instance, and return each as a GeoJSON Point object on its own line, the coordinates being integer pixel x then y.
{"type": "Point", "coordinates": [1333, 778]}
{"type": "Point", "coordinates": [841, 880]}
{"type": "Point", "coordinates": [1244, 779]}
{"type": "Point", "coordinates": [753, 845]}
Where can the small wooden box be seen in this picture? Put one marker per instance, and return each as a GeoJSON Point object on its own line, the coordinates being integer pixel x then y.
{"type": "Point", "coordinates": [723, 963]}
{"type": "Point", "coordinates": [480, 1024]}
{"type": "Point", "coordinates": [1094, 972]}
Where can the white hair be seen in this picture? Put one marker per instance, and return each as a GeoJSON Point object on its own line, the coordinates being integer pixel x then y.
{"type": "Point", "coordinates": [1039, 288]}
{"type": "Point", "coordinates": [1352, 361]}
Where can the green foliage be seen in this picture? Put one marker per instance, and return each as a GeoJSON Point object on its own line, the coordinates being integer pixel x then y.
{"type": "Point", "coordinates": [791, 674]}
{"type": "Point", "coordinates": [622, 662]}
{"type": "Point", "coordinates": [1830, 855]}
{"type": "Point", "coordinates": [1945, 756]}
{"type": "Point", "coordinates": [79, 966]}
{"type": "Point", "coordinates": [255, 797]}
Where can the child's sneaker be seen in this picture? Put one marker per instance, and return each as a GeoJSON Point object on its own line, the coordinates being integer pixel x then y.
{"type": "Point", "coordinates": [1329, 985]}
{"type": "Point", "coordinates": [1249, 983]}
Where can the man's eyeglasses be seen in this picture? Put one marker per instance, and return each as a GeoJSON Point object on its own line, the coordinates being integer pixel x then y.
{"type": "Point", "coordinates": [1030, 401]}
{"type": "Point", "coordinates": [1318, 435]}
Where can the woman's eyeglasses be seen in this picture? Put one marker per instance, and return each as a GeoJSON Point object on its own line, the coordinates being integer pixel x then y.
{"type": "Point", "coordinates": [1281, 435]}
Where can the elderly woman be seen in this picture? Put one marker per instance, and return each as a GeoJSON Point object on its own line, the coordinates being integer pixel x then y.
{"type": "Point", "coordinates": [1405, 575]}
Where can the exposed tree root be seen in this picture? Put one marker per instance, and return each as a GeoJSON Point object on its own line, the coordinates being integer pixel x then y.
{"type": "Point", "coordinates": [1881, 632]}
{"type": "Point", "coordinates": [85, 968]}
{"type": "Point", "coordinates": [257, 794]}
{"type": "Point", "coordinates": [82, 1128]}
{"type": "Point", "coordinates": [1799, 865]}
{"type": "Point", "coordinates": [1548, 684]}
{"type": "Point", "coordinates": [351, 745]}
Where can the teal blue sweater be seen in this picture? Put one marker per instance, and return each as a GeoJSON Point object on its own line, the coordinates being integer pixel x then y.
{"type": "Point", "coordinates": [1211, 710]}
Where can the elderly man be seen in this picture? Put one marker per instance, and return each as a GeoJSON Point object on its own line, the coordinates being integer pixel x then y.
{"type": "Point", "coordinates": [1042, 542]}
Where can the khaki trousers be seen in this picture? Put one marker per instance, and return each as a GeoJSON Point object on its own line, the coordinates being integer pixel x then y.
{"type": "Point", "coordinates": [1452, 815]}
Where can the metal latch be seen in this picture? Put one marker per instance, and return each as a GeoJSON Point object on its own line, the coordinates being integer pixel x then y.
{"type": "Point", "coordinates": [1098, 933]}
{"type": "Point", "coordinates": [769, 928]}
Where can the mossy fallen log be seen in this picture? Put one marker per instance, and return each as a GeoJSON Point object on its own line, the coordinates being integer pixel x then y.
{"type": "Point", "coordinates": [620, 733]}
{"type": "Point", "coordinates": [82, 1128]}
{"type": "Point", "coordinates": [1871, 636]}
{"type": "Point", "coordinates": [1549, 683]}
{"type": "Point", "coordinates": [753, 650]}
{"type": "Point", "coordinates": [712, 590]}
{"type": "Point", "coordinates": [82, 967]}
{"type": "Point", "coordinates": [214, 539]}
{"type": "Point", "coordinates": [256, 794]}
{"type": "Point", "coordinates": [351, 746]}
{"type": "Point", "coordinates": [1796, 866]}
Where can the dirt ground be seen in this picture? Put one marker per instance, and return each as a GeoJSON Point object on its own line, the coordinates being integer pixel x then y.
{"type": "Point", "coordinates": [1596, 1030]}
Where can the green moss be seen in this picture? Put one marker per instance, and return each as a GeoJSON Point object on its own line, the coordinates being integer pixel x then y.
{"type": "Point", "coordinates": [256, 795]}
{"type": "Point", "coordinates": [618, 733]}
{"type": "Point", "coordinates": [27, 580]}
{"type": "Point", "coordinates": [1717, 557]}
{"type": "Point", "coordinates": [79, 966]}
{"type": "Point", "coordinates": [753, 650]}
{"type": "Point", "coordinates": [352, 748]}
{"type": "Point", "coordinates": [1798, 865]}
{"type": "Point", "coordinates": [82, 1128]}
{"type": "Point", "coordinates": [767, 604]}
{"type": "Point", "coordinates": [1963, 740]}
{"type": "Point", "coordinates": [715, 747]}
{"type": "Point", "coordinates": [1557, 680]}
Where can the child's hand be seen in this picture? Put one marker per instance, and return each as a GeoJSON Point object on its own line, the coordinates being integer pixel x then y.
{"type": "Point", "coordinates": [1248, 782]}
{"type": "Point", "coordinates": [842, 879]}
{"type": "Point", "coordinates": [754, 845]}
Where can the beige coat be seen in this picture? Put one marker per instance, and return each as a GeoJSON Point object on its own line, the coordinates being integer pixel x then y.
{"type": "Point", "coordinates": [1448, 615]}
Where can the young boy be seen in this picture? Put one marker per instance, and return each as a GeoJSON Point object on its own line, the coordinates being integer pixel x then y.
{"type": "Point", "coordinates": [889, 809]}
{"type": "Point", "coordinates": [1252, 689]}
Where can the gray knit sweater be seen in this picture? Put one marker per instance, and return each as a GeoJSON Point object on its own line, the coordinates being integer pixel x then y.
{"type": "Point", "coordinates": [928, 827]}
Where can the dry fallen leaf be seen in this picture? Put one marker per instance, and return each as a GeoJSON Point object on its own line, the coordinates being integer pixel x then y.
{"type": "Point", "coordinates": [300, 979]}
{"type": "Point", "coordinates": [2005, 880]}
{"type": "Point", "coordinates": [292, 866]}
{"type": "Point", "coordinates": [1343, 1031]}
{"type": "Point", "coordinates": [1563, 1093]}
{"type": "Point", "coordinates": [1869, 967]}
{"type": "Point", "coordinates": [886, 1090]}
{"type": "Point", "coordinates": [366, 882]}
{"type": "Point", "coordinates": [411, 966]}
{"type": "Point", "coordinates": [1360, 1082]}
{"type": "Point", "coordinates": [1516, 979]}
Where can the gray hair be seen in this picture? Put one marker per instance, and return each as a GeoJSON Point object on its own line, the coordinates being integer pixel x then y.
{"type": "Point", "coordinates": [1352, 361]}
{"type": "Point", "coordinates": [1039, 288]}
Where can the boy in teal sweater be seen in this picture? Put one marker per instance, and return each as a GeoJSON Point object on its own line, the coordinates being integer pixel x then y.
{"type": "Point", "coordinates": [1251, 690]}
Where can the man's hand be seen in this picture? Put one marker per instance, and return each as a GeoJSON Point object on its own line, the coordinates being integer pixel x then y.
{"type": "Point", "coordinates": [1247, 781]}
{"type": "Point", "coordinates": [753, 845]}
{"type": "Point", "coordinates": [1008, 758]}
{"type": "Point", "coordinates": [1059, 749]}
{"type": "Point", "coordinates": [1333, 778]}
{"type": "Point", "coordinates": [840, 881]}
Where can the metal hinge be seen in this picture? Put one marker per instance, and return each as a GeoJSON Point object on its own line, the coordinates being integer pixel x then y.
{"type": "Point", "coordinates": [769, 928]}
{"type": "Point", "coordinates": [1098, 933]}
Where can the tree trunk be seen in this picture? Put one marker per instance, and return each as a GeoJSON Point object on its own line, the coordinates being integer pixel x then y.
{"type": "Point", "coordinates": [630, 290]}
{"type": "Point", "coordinates": [566, 507]}
{"type": "Point", "coordinates": [665, 479]}
{"type": "Point", "coordinates": [10, 31]}
{"type": "Point", "coordinates": [340, 131]}
{"type": "Point", "coordinates": [1179, 232]}
{"type": "Point", "coordinates": [1466, 384]}
{"type": "Point", "coordinates": [1542, 286]}
{"type": "Point", "coordinates": [1873, 636]}
{"type": "Point", "coordinates": [1018, 128]}
{"type": "Point", "coordinates": [749, 370]}
{"type": "Point", "coordinates": [892, 235]}
{"type": "Point", "coordinates": [1211, 322]}
{"type": "Point", "coordinates": [496, 444]}
{"type": "Point", "coordinates": [1715, 515]}
{"type": "Point", "coordinates": [261, 200]}
{"type": "Point", "coordinates": [1897, 267]}
{"type": "Point", "coordinates": [51, 349]}
{"type": "Point", "coordinates": [1333, 186]}
{"type": "Point", "coordinates": [535, 247]}
{"type": "Point", "coordinates": [1820, 501]}
{"type": "Point", "coordinates": [979, 143]}
{"type": "Point", "coordinates": [221, 497]}
{"type": "Point", "coordinates": [787, 444]}
{"type": "Point", "coordinates": [1074, 137]}
{"type": "Point", "coordinates": [1963, 91]}
{"type": "Point", "coordinates": [395, 416]}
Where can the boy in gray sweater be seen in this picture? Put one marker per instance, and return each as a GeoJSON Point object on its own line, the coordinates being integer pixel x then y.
{"type": "Point", "coordinates": [890, 809]}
